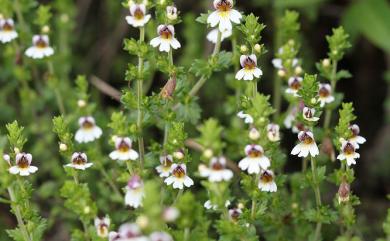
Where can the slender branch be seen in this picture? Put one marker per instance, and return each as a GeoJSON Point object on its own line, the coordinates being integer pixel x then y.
{"type": "Point", "coordinates": [57, 92]}
{"type": "Point", "coordinates": [105, 88]}
{"type": "Point", "coordinates": [328, 113]}
{"type": "Point", "coordinates": [18, 215]}
{"type": "Point", "coordinates": [317, 193]}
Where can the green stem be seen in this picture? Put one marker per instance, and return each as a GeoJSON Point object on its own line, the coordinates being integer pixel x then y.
{"type": "Point", "coordinates": [57, 92]}
{"type": "Point", "coordinates": [277, 90]}
{"type": "Point", "coordinates": [328, 113]}
{"type": "Point", "coordinates": [253, 208]}
{"type": "Point", "coordinates": [178, 196]}
{"type": "Point", "coordinates": [186, 234]}
{"type": "Point", "coordinates": [110, 182]}
{"type": "Point", "coordinates": [20, 17]}
{"type": "Point", "coordinates": [18, 215]}
{"type": "Point", "coordinates": [254, 90]}
{"type": "Point", "coordinates": [141, 147]}
{"type": "Point", "coordinates": [317, 193]}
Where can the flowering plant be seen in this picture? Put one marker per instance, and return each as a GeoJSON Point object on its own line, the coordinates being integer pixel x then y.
{"type": "Point", "coordinates": [152, 167]}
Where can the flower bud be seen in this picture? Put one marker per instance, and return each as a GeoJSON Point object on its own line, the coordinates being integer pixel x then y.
{"type": "Point", "coordinates": [298, 70]}
{"type": "Point", "coordinates": [281, 73]}
{"type": "Point", "coordinates": [178, 154]}
{"type": "Point", "coordinates": [326, 62]}
{"type": "Point", "coordinates": [171, 13]}
{"type": "Point", "coordinates": [64, 18]}
{"type": "Point", "coordinates": [87, 210]}
{"type": "Point", "coordinates": [45, 29]}
{"type": "Point", "coordinates": [16, 150]}
{"type": "Point", "coordinates": [81, 103]}
{"type": "Point", "coordinates": [243, 48]}
{"type": "Point", "coordinates": [142, 221]}
{"type": "Point", "coordinates": [257, 48]}
{"type": "Point", "coordinates": [254, 134]}
{"type": "Point", "coordinates": [294, 205]}
{"type": "Point", "coordinates": [313, 100]}
{"type": "Point", "coordinates": [7, 158]}
{"type": "Point", "coordinates": [208, 153]}
{"type": "Point", "coordinates": [63, 147]}
{"type": "Point", "coordinates": [343, 193]}
{"type": "Point", "coordinates": [291, 42]}
{"type": "Point", "coordinates": [240, 206]}
{"type": "Point", "coordinates": [170, 214]}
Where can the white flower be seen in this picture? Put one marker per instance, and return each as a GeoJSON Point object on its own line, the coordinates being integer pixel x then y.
{"type": "Point", "coordinates": [255, 159]}
{"type": "Point", "coordinates": [224, 15]}
{"type": "Point", "coordinates": [348, 152]}
{"type": "Point", "coordinates": [129, 232]}
{"type": "Point", "coordinates": [102, 225]}
{"type": "Point", "coordinates": [308, 114]}
{"type": "Point", "coordinates": [208, 205]}
{"type": "Point", "coordinates": [165, 168]}
{"type": "Point", "coordinates": [306, 145]}
{"type": "Point", "coordinates": [79, 161]}
{"type": "Point", "coordinates": [123, 150]}
{"type": "Point", "coordinates": [171, 12]}
{"type": "Point", "coordinates": [234, 214]}
{"type": "Point", "coordinates": [267, 182]}
{"type": "Point", "coordinates": [166, 38]}
{"type": "Point", "coordinates": [254, 134]}
{"type": "Point", "coordinates": [138, 17]}
{"type": "Point", "coordinates": [249, 69]}
{"type": "Point", "coordinates": [273, 133]}
{"type": "Point", "coordinates": [248, 119]}
{"type": "Point", "coordinates": [134, 192]}
{"type": "Point", "coordinates": [325, 94]}
{"type": "Point", "coordinates": [217, 171]}
{"type": "Point", "coordinates": [23, 165]}
{"type": "Point", "coordinates": [160, 236]}
{"type": "Point", "coordinates": [88, 130]}
{"type": "Point", "coordinates": [212, 36]}
{"type": "Point", "coordinates": [170, 214]}
{"type": "Point", "coordinates": [294, 84]}
{"type": "Point", "coordinates": [179, 177]}
{"type": "Point", "coordinates": [358, 140]}
{"type": "Point", "coordinates": [290, 118]}
{"type": "Point", "coordinates": [7, 30]}
{"type": "Point", "coordinates": [40, 48]}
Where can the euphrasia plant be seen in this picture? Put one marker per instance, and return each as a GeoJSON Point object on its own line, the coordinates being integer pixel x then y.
{"type": "Point", "coordinates": [152, 168]}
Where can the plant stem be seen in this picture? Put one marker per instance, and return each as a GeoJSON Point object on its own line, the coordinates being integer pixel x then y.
{"type": "Point", "coordinates": [110, 182]}
{"type": "Point", "coordinates": [178, 196]}
{"type": "Point", "coordinates": [328, 113]}
{"type": "Point", "coordinates": [18, 215]}
{"type": "Point", "coordinates": [186, 234]}
{"type": "Point", "coordinates": [317, 193]}
{"type": "Point", "coordinates": [59, 99]}
{"type": "Point", "coordinates": [277, 91]}
{"type": "Point", "coordinates": [141, 147]}
{"type": "Point", "coordinates": [253, 209]}
{"type": "Point", "coordinates": [203, 79]}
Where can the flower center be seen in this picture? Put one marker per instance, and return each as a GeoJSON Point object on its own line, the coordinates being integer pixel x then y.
{"type": "Point", "coordinates": [103, 229]}
{"type": "Point", "coordinates": [165, 33]}
{"type": "Point", "coordinates": [266, 177]}
{"type": "Point", "coordinates": [224, 6]}
{"type": "Point", "coordinates": [323, 92]}
{"type": "Point", "coordinates": [79, 160]}
{"type": "Point", "coordinates": [7, 27]}
{"type": "Point", "coordinates": [296, 84]}
{"type": "Point", "coordinates": [40, 43]}
{"type": "Point", "coordinates": [167, 162]}
{"type": "Point", "coordinates": [249, 63]}
{"type": "Point", "coordinates": [309, 114]}
{"type": "Point", "coordinates": [87, 125]}
{"type": "Point", "coordinates": [254, 153]}
{"type": "Point", "coordinates": [306, 139]}
{"type": "Point", "coordinates": [217, 166]}
{"type": "Point", "coordinates": [138, 14]}
{"type": "Point", "coordinates": [179, 172]}
{"type": "Point", "coordinates": [123, 146]}
{"type": "Point", "coordinates": [349, 149]}
{"type": "Point", "coordinates": [23, 163]}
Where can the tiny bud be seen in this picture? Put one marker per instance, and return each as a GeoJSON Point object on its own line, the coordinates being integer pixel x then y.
{"type": "Point", "coordinates": [262, 119]}
{"type": "Point", "coordinates": [81, 103]}
{"type": "Point", "coordinates": [257, 48]}
{"type": "Point", "coordinates": [343, 192]}
{"type": "Point", "coordinates": [254, 134]}
{"type": "Point", "coordinates": [170, 214]}
{"type": "Point", "coordinates": [243, 48]}
{"type": "Point", "coordinates": [208, 153]}
{"type": "Point", "coordinates": [63, 147]}
{"type": "Point", "coordinates": [240, 206]}
{"type": "Point", "coordinates": [169, 88]}
{"type": "Point", "coordinates": [87, 210]}
{"type": "Point", "coordinates": [178, 154]}
{"type": "Point", "coordinates": [64, 18]}
{"type": "Point", "coordinates": [45, 29]}
{"type": "Point", "coordinates": [162, 2]}
{"type": "Point", "coordinates": [142, 221]}
{"type": "Point", "coordinates": [326, 62]}
{"type": "Point", "coordinates": [298, 70]}
{"type": "Point", "coordinates": [335, 52]}
{"type": "Point", "coordinates": [7, 158]}
{"type": "Point", "coordinates": [114, 137]}
{"type": "Point", "coordinates": [291, 42]}
{"type": "Point", "coordinates": [172, 13]}
{"type": "Point", "coordinates": [16, 150]}
{"type": "Point", "coordinates": [281, 73]}
{"type": "Point", "coordinates": [294, 205]}
{"type": "Point", "coordinates": [313, 100]}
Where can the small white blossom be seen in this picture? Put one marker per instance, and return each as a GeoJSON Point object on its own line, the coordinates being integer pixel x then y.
{"type": "Point", "coordinates": [79, 161]}
{"type": "Point", "coordinates": [134, 192]}
{"type": "Point", "coordinates": [171, 13]}
{"type": "Point", "coordinates": [123, 150]}
{"type": "Point", "coordinates": [217, 170]}
{"type": "Point", "coordinates": [102, 225]}
{"type": "Point", "coordinates": [7, 158]}
{"type": "Point", "coordinates": [166, 38]}
{"type": "Point", "coordinates": [255, 160]}
{"type": "Point", "coordinates": [325, 94]}
{"type": "Point", "coordinates": [308, 114]}
{"type": "Point", "coordinates": [278, 63]}
{"type": "Point", "coordinates": [212, 36]}
{"type": "Point", "coordinates": [179, 178]}
{"type": "Point", "coordinates": [23, 165]}
{"type": "Point", "coordinates": [358, 140]}
{"type": "Point", "coordinates": [273, 132]}
{"type": "Point", "coordinates": [138, 16]}
{"type": "Point", "coordinates": [129, 232]}
{"type": "Point", "coordinates": [249, 69]}
{"type": "Point", "coordinates": [160, 236]}
{"type": "Point", "coordinates": [348, 152]}
{"type": "Point", "coordinates": [40, 48]}
{"type": "Point", "coordinates": [267, 182]}
{"type": "Point", "coordinates": [88, 130]}
{"type": "Point", "coordinates": [234, 214]}
{"type": "Point", "coordinates": [170, 214]}
{"type": "Point", "coordinates": [254, 134]}
{"type": "Point", "coordinates": [164, 169]}
{"type": "Point", "coordinates": [224, 15]}
{"type": "Point", "coordinates": [294, 84]}
{"type": "Point", "coordinates": [208, 205]}
{"type": "Point", "coordinates": [248, 119]}
{"type": "Point", "coordinates": [7, 30]}
{"type": "Point", "coordinates": [306, 145]}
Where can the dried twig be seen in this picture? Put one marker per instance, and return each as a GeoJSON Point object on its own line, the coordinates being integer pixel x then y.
{"type": "Point", "coordinates": [105, 88]}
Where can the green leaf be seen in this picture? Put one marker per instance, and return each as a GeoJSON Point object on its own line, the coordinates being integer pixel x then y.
{"type": "Point", "coordinates": [43, 15]}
